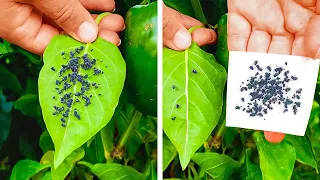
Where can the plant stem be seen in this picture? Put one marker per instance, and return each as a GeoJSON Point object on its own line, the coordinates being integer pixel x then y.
{"type": "Point", "coordinates": [134, 121]}
{"type": "Point", "coordinates": [144, 2]}
{"type": "Point", "coordinates": [221, 129]}
{"type": "Point", "coordinates": [197, 9]}
{"type": "Point", "coordinates": [107, 136]}
{"type": "Point", "coordinates": [193, 170]}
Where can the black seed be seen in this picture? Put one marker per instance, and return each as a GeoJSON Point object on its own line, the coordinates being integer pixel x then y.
{"type": "Point", "coordinates": [93, 84]}
{"type": "Point", "coordinates": [54, 113]}
{"type": "Point", "coordinates": [77, 100]}
{"type": "Point", "coordinates": [177, 105]}
{"type": "Point", "coordinates": [62, 53]}
{"type": "Point", "coordinates": [237, 107]}
{"type": "Point", "coordinates": [63, 125]}
{"type": "Point", "coordinates": [173, 87]}
{"type": "Point", "coordinates": [63, 120]}
{"type": "Point", "coordinates": [194, 71]}
{"type": "Point", "coordinates": [286, 63]}
{"type": "Point", "coordinates": [255, 62]}
{"type": "Point", "coordinates": [251, 67]}
{"type": "Point", "coordinates": [76, 114]}
{"type": "Point", "coordinates": [269, 68]}
{"type": "Point", "coordinates": [173, 118]}
{"type": "Point", "coordinates": [85, 76]}
{"type": "Point", "coordinates": [91, 96]}
{"type": "Point", "coordinates": [54, 97]}
{"type": "Point", "coordinates": [294, 78]}
{"type": "Point", "coordinates": [57, 82]}
{"type": "Point", "coordinates": [53, 69]}
{"type": "Point", "coordinates": [91, 50]}
{"type": "Point", "coordinates": [242, 99]}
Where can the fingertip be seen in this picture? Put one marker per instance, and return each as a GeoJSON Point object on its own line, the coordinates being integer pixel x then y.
{"type": "Point", "coordinates": [274, 137]}
{"type": "Point", "coordinates": [204, 36]}
{"type": "Point", "coordinates": [110, 36]}
{"type": "Point", "coordinates": [87, 32]}
{"type": "Point", "coordinates": [112, 22]}
{"type": "Point", "coordinates": [182, 39]}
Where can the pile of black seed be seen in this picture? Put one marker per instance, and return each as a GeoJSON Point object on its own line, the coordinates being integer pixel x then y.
{"type": "Point", "coordinates": [70, 76]}
{"type": "Point", "coordinates": [267, 87]}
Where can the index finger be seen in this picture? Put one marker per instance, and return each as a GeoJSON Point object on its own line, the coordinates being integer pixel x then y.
{"type": "Point", "coordinates": [99, 5]}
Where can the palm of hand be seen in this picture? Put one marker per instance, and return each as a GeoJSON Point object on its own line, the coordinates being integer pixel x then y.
{"type": "Point", "coordinates": [274, 26]}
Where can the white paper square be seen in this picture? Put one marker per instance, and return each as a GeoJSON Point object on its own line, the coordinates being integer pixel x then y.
{"type": "Point", "coordinates": [306, 69]}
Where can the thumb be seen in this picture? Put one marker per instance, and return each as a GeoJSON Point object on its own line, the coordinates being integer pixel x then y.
{"type": "Point", "coordinates": [71, 16]}
{"type": "Point", "coordinates": [175, 35]}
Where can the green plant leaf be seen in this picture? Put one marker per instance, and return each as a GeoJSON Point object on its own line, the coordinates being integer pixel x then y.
{"type": "Point", "coordinates": [62, 171]}
{"type": "Point", "coordinates": [214, 9]}
{"type": "Point", "coordinates": [25, 169]}
{"type": "Point", "coordinates": [26, 149]}
{"type": "Point", "coordinates": [303, 150]}
{"type": "Point", "coordinates": [3, 49]}
{"type": "Point", "coordinates": [45, 142]}
{"type": "Point", "coordinates": [32, 86]}
{"type": "Point", "coordinates": [9, 81]}
{"type": "Point", "coordinates": [229, 135]}
{"type": "Point", "coordinates": [276, 160]}
{"type": "Point", "coordinates": [218, 166]}
{"type": "Point", "coordinates": [253, 170]}
{"type": "Point", "coordinates": [151, 171]}
{"type": "Point", "coordinates": [183, 7]}
{"type": "Point", "coordinates": [169, 152]}
{"type": "Point", "coordinates": [94, 116]}
{"type": "Point", "coordinates": [94, 152]}
{"type": "Point", "coordinates": [29, 105]}
{"type": "Point", "coordinates": [116, 171]}
{"type": "Point", "coordinates": [47, 176]}
{"type": "Point", "coordinates": [198, 82]}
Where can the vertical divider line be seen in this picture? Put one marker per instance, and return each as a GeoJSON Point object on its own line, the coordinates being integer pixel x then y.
{"type": "Point", "coordinates": [160, 94]}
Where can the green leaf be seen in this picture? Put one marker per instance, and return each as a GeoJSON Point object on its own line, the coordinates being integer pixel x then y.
{"type": "Point", "coordinates": [183, 7]}
{"type": "Point", "coordinates": [25, 169]}
{"type": "Point", "coordinates": [47, 176]}
{"type": "Point", "coordinates": [95, 152]}
{"type": "Point", "coordinates": [26, 149]}
{"type": "Point", "coordinates": [3, 49]}
{"type": "Point", "coordinates": [116, 171]}
{"type": "Point", "coordinates": [303, 150]}
{"type": "Point", "coordinates": [9, 81]}
{"type": "Point", "coordinates": [152, 170]}
{"type": "Point", "coordinates": [45, 142]}
{"type": "Point", "coordinates": [94, 116]}
{"type": "Point", "coordinates": [199, 96]}
{"type": "Point", "coordinates": [197, 9]}
{"type": "Point", "coordinates": [218, 166]}
{"type": "Point", "coordinates": [32, 86]}
{"type": "Point", "coordinates": [253, 170]}
{"type": "Point", "coordinates": [29, 105]}
{"type": "Point", "coordinates": [169, 152]}
{"type": "Point", "coordinates": [214, 9]}
{"type": "Point", "coordinates": [276, 160]}
{"type": "Point", "coordinates": [229, 135]}
{"type": "Point", "coordinates": [67, 165]}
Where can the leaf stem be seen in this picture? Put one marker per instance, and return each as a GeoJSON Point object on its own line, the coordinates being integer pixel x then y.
{"type": "Point", "coordinates": [144, 2]}
{"type": "Point", "coordinates": [197, 9]}
{"type": "Point", "coordinates": [134, 120]}
{"type": "Point", "coordinates": [107, 146]}
{"type": "Point", "coordinates": [194, 171]}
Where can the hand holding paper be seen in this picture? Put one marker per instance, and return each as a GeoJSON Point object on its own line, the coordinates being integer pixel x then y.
{"type": "Point", "coordinates": [267, 27]}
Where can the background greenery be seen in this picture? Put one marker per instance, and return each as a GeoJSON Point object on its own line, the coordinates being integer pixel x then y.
{"type": "Point", "coordinates": [233, 153]}
{"type": "Point", "coordinates": [23, 133]}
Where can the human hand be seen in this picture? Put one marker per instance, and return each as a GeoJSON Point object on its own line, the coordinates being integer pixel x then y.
{"type": "Point", "coordinates": [175, 30]}
{"type": "Point", "coordinates": [275, 26]}
{"type": "Point", "coordinates": [32, 23]}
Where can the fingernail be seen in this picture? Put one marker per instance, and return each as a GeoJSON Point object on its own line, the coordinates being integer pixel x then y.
{"type": "Point", "coordinates": [317, 56]}
{"type": "Point", "coordinates": [114, 10]}
{"type": "Point", "coordinates": [87, 32]}
{"type": "Point", "coordinates": [119, 42]}
{"type": "Point", "coordinates": [182, 39]}
{"type": "Point", "coordinates": [124, 26]}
